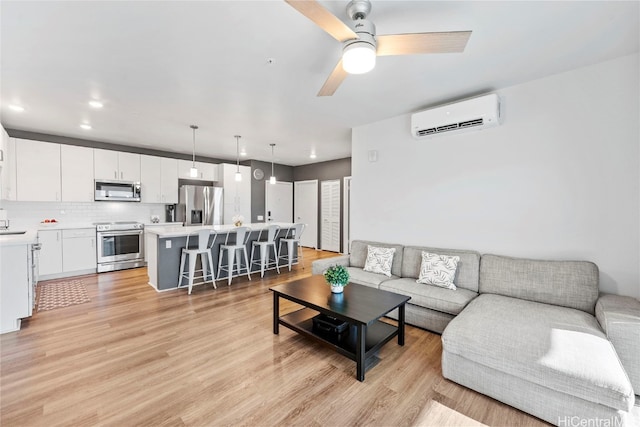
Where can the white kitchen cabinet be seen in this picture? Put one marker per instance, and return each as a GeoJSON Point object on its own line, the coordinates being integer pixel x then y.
{"type": "Point", "coordinates": [37, 171]}
{"type": "Point", "coordinates": [51, 252]}
{"type": "Point", "coordinates": [237, 195]}
{"type": "Point", "coordinates": [79, 249]}
{"type": "Point", "coordinates": [159, 179]}
{"type": "Point", "coordinates": [169, 180]}
{"type": "Point", "coordinates": [15, 286]}
{"type": "Point", "coordinates": [8, 172]}
{"type": "Point", "coordinates": [77, 173]}
{"type": "Point", "coordinates": [206, 171]}
{"type": "Point", "coordinates": [116, 165]}
{"type": "Point", "coordinates": [129, 166]}
{"type": "Point", "coordinates": [150, 177]}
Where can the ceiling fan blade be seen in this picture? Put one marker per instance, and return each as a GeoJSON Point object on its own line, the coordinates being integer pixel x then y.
{"type": "Point", "coordinates": [335, 79]}
{"type": "Point", "coordinates": [323, 19]}
{"type": "Point", "coordinates": [410, 44]}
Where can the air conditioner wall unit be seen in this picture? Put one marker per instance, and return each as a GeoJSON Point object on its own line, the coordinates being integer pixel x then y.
{"type": "Point", "coordinates": [471, 114]}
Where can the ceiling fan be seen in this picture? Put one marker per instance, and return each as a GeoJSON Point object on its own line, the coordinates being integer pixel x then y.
{"type": "Point", "coordinates": [361, 45]}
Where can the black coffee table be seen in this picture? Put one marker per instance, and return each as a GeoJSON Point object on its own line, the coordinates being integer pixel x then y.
{"type": "Point", "coordinates": [360, 306]}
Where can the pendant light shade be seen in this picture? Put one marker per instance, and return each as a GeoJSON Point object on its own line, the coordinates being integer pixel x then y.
{"type": "Point", "coordinates": [272, 180]}
{"type": "Point", "coordinates": [238, 174]}
{"type": "Point", "coordinates": [193, 172]}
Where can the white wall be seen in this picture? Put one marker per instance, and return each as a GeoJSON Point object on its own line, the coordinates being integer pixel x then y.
{"type": "Point", "coordinates": [29, 214]}
{"type": "Point", "coordinates": [558, 180]}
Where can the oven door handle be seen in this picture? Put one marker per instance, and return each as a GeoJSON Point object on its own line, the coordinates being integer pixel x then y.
{"type": "Point", "coordinates": [119, 233]}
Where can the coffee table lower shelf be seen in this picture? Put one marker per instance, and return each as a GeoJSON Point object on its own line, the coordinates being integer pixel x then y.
{"type": "Point", "coordinates": [378, 334]}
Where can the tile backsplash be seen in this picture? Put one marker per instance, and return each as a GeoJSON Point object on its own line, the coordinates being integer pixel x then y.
{"type": "Point", "coordinates": [29, 214]}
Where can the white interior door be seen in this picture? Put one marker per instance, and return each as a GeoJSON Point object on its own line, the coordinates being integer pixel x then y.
{"type": "Point", "coordinates": [279, 202]}
{"type": "Point", "coordinates": [305, 210]}
{"type": "Point", "coordinates": [330, 215]}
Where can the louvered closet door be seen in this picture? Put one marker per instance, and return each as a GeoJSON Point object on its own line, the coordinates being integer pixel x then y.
{"type": "Point", "coordinates": [330, 214]}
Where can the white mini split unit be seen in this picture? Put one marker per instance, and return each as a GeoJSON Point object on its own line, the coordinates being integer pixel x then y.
{"type": "Point", "coordinates": [471, 114]}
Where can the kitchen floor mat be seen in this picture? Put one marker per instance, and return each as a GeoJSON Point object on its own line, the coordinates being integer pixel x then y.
{"type": "Point", "coordinates": [61, 294]}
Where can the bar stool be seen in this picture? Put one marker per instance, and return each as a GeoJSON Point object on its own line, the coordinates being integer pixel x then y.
{"type": "Point", "coordinates": [204, 250]}
{"type": "Point", "coordinates": [242, 236]}
{"type": "Point", "coordinates": [263, 246]}
{"type": "Point", "coordinates": [291, 238]}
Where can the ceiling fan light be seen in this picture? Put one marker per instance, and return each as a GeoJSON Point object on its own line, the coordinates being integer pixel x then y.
{"type": "Point", "coordinates": [358, 57]}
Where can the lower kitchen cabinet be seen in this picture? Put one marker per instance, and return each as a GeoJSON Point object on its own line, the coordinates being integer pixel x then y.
{"type": "Point", "coordinates": [16, 290]}
{"type": "Point", "coordinates": [67, 251]}
{"type": "Point", "coordinates": [78, 249]}
{"type": "Point", "coordinates": [51, 252]}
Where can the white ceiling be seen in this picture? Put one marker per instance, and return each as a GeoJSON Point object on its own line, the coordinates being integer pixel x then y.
{"type": "Point", "coordinates": [161, 66]}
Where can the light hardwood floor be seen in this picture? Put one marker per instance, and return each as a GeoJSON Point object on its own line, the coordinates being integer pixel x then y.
{"type": "Point", "coordinates": [132, 356]}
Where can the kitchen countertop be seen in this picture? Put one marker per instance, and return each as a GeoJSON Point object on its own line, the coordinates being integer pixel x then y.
{"type": "Point", "coordinates": [65, 226]}
{"type": "Point", "coordinates": [174, 231]}
{"type": "Point", "coordinates": [31, 236]}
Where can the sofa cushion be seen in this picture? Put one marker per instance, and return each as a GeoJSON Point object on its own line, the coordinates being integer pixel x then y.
{"type": "Point", "coordinates": [379, 260]}
{"type": "Point", "coordinates": [572, 284]}
{"type": "Point", "coordinates": [467, 271]}
{"type": "Point", "coordinates": [438, 270]}
{"type": "Point", "coordinates": [359, 250]}
{"type": "Point", "coordinates": [361, 277]}
{"type": "Point", "coordinates": [559, 348]}
{"type": "Point", "coordinates": [430, 296]}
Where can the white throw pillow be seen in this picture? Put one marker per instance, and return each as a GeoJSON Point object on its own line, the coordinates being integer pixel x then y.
{"type": "Point", "coordinates": [438, 270]}
{"type": "Point", "coordinates": [379, 260]}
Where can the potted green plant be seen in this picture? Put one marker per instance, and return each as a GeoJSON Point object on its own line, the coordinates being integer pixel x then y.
{"type": "Point", "coordinates": [337, 277]}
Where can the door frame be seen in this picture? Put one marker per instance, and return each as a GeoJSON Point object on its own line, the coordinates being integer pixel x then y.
{"type": "Point", "coordinates": [346, 215]}
{"type": "Point", "coordinates": [317, 224]}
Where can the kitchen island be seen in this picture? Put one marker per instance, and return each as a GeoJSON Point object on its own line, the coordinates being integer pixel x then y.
{"type": "Point", "coordinates": [18, 278]}
{"type": "Point", "coordinates": [163, 248]}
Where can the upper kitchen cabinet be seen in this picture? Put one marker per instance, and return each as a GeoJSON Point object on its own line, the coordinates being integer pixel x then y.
{"type": "Point", "coordinates": [116, 165]}
{"type": "Point", "coordinates": [159, 179]}
{"type": "Point", "coordinates": [37, 171]}
{"type": "Point", "coordinates": [206, 171]}
{"type": "Point", "coordinates": [169, 180]}
{"type": "Point", "coordinates": [77, 173]}
{"type": "Point", "coordinates": [8, 170]}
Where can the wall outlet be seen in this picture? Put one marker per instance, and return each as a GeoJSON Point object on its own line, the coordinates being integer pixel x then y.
{"type": "Point", "coordinates": [260, 217]}
{"type": "Point", "coordinates": [167, 244]}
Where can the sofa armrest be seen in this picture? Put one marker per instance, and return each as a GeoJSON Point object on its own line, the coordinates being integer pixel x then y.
{"type": "Point", "coordinates": [320, 265]}
{"type": "Point", "coordinates": [619, 317]}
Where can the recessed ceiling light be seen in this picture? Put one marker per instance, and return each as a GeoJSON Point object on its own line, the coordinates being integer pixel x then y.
{"type": "Point", "coordinates": [312, 156]}
{"type": "Point", "coordinates": [243, 153]}
{"type": "Point", "coordinates": [17, 108]}
{"type": "Point", "coordinates": [85, 126]}
{"type": "Point", "coordinates": [96, 104]}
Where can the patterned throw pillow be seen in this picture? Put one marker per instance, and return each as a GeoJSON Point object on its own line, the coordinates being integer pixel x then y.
{"type": "Point", "coordinates": [379, 260]}
{"type": "Point", "coordinates": [438, 270]}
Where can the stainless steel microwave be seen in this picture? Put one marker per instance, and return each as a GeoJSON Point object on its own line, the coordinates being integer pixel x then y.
{"type": "Point", "coordinates": [117, 191]}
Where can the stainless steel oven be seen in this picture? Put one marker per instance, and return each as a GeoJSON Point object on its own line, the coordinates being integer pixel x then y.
{"type": "Point", "coordinates": [120, 245]}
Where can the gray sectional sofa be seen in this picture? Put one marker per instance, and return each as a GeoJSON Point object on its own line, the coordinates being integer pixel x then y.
{"type": "Point", "coordinates": [533, 334]}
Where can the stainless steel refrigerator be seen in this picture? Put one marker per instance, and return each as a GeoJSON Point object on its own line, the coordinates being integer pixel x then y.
{"type": "Point", "coordinates": [200, 205]}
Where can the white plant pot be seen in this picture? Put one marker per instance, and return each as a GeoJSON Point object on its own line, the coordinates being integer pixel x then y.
{"type": "Point", "coordinates": [337, 289]}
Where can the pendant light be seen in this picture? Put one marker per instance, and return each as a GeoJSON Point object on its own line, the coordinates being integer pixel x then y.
{"type": "Point", "coordinates": [238, 174]}
{"type": "Point", "coordinates": [272, 180]}
{"type": "Point", "coordinates": [193, 172]}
